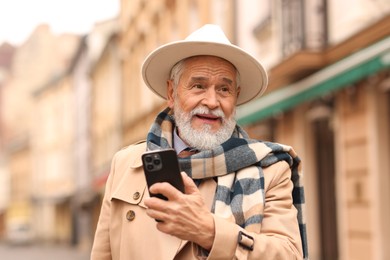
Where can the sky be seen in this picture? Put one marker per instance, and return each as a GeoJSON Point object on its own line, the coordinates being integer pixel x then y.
{"type": "Point", "coordinates": [19, 18]}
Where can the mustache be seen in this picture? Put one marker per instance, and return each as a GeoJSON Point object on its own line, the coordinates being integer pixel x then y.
{"type": "Point", "coordinates": [204, 110]}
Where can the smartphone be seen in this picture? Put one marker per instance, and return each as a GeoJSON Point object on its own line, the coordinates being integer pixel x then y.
{"type": "Point", "coordinates": [162, 166]}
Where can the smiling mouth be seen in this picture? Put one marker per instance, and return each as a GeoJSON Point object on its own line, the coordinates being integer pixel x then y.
{"type": "Point", "coordinates": [208, 117]}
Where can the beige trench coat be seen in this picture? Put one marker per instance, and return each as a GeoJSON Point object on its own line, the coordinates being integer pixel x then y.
{"type": "Point", "coordinates": [125, 232]}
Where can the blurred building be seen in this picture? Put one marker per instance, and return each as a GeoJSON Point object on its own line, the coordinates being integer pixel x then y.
{"type": "Point", "coordinates": [46, 135]}
{"type": "Point", "coordinates": [69, 103]}
{"type": "Point", "coordinates": [53, 180]}
{"type": "Point", "coordinates": [106, 124]}
{"type": "Point", "coordinates": [329, 97]}
{"type": "Point", "coordinates": [6, 55]}
{"type": "Point", "coordinates": [39, 60]}
{"type": "Point", "coordinates": [95, 79]}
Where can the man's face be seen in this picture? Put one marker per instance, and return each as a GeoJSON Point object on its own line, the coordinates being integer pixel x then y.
{"type": "Point", "coordinates": [205, 99]}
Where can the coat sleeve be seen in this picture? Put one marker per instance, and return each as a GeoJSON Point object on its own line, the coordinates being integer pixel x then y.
{"type": "Point", "coordinates": [279, 237]}
{"type": "Point", "coordinates": [101, 249]}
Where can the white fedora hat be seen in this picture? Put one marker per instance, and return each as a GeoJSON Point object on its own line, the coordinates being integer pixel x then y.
{"type": "Point", "coordinates": [208, 40]}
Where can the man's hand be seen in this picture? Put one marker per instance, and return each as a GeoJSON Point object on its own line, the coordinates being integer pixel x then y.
{"type": "Point", "coordinates": [183, 215]}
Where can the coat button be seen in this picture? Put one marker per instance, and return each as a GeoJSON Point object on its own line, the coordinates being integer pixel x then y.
{"type": "Point", "coordinates": [136, 195]}
{"type": "Point", "coordinates": [130, 215]}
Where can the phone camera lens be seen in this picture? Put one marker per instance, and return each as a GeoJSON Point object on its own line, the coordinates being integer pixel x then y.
{"type": "Point", "coordinates": [148, 159]}
{"type": "Point", "coordinates": [150, 167]}
{"type": "Point", "coordinates": [157, 162]}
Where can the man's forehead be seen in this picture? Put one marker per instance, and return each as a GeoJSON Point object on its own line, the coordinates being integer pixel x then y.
{"type": "Point", "coordinates": [205, 78]}
{"type": "Point", "coordinates": [203, 65]}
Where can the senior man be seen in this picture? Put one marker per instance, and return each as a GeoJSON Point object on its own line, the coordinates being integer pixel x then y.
{"type": "Point", "coordinates": [243, 198]}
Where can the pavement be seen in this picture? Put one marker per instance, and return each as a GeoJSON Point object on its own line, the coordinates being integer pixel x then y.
{"type": "Point", "coordinates": [41, 252]}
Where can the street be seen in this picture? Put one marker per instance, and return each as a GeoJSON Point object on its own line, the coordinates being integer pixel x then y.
{"type": "Point", "coordinates": [41, 252]}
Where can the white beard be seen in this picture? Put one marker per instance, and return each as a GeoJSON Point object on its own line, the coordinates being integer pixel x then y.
{"type": "Point", "coordinates": [205, 138]}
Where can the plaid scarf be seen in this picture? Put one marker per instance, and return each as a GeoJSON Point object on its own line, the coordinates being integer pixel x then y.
{"type": "Point", "coordinates": [238, 164]}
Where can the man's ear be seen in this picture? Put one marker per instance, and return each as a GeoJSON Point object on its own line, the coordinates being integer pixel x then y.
{"type": "Point", "coordinates": [238, 92]}
{"type": "Point", "coordinates": [170, 94]}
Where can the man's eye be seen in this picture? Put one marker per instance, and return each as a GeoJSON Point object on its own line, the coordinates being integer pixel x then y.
{"type": "Point", "coordinates": [198, 86]}
{"type": "Point", "coordinates": [225, 90]}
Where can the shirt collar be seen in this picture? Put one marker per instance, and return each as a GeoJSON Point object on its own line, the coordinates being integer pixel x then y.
{"type": "Point", "coordinates": [178, 143]}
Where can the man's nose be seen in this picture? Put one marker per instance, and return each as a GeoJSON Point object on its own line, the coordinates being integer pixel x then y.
{"type": "Point", "coordinates": [211, 98]}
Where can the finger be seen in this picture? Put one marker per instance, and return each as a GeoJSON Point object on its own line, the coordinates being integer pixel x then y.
{"type": "Point", "coordinates": [189, 185]}
{"type": "Point", "coordinates": [165, 189]}
{"type": "Point", "coordinates": [155, 203]}
{"type": "Point", "coordinates": [159, 216]}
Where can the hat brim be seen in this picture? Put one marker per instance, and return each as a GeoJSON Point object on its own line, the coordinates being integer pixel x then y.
{"type": "Point", "coordinates": [157, 66]}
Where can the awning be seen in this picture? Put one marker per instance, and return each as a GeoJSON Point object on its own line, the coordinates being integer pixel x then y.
{"type": "Point", "coordinates": [339, 75]}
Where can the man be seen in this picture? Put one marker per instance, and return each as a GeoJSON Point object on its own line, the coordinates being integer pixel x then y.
{"type": "Point", "coordinates": [238, 201]}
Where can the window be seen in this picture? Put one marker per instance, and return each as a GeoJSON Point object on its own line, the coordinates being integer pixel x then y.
{"type": "Point", "coordinates": [292, 17]}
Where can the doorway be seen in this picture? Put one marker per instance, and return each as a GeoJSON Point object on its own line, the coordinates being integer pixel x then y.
{"type": "Point", "coordinates": [324, 161]}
